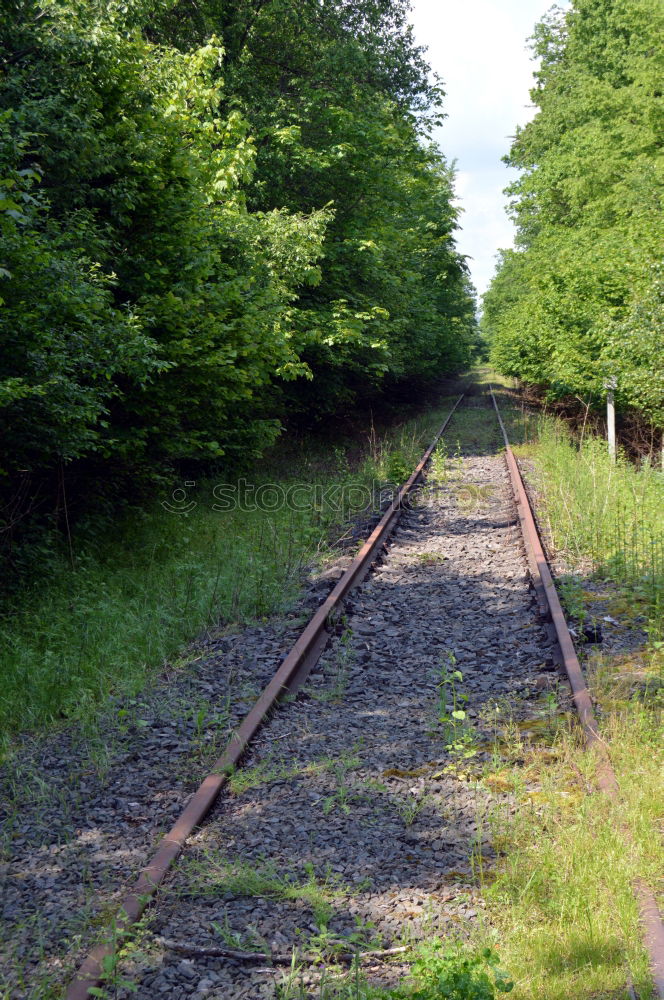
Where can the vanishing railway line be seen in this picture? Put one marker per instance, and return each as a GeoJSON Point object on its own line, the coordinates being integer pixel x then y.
{"type": "Point", "coordinates": [350, 828]}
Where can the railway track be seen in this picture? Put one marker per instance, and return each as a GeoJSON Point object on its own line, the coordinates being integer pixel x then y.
{"type": "Point", "coordinates": [348, 822]}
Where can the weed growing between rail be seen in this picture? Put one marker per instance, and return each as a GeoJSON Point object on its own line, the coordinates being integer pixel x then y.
{"type": "Point", "coordinates": [216, 876]}
{"type": "Point", "coordinates": [319, 965]}
{"type": "Point", "coordinates": [105, 623]}
{"type": "Point", "coordinates": [439, 972]}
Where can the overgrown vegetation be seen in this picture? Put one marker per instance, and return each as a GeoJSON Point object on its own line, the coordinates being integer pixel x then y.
{"type": "Point", "coordinates": [562, 901]}
{"type": "Point", "coordinates": [438, 973]}
{"type": "Point", "coordinates": [109, 613]}
{"type": "Point", "coordinates": [606, 517]}
{"type": "Point", "coordinates": [581, 298]}
{"type": "Point", "coordinates": [204, 207]}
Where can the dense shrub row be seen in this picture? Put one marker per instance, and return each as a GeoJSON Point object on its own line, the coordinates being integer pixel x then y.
{"type": "Point", "coordinates": [581, 297]}
{"type": "Point", "coordinates": [213, 213]}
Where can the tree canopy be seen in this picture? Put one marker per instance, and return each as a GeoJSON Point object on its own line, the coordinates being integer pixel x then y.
{"type": "Point", "coordinates": [213, 213]}
{"type": "Point", "coordinates": [581, 296]}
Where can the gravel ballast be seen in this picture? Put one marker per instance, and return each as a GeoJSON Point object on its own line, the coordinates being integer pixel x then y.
{"type": "Point", "coordinates": [352, 821]}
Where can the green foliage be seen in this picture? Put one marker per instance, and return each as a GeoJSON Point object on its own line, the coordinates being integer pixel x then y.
{"type": "Point", "coordinates": [610, 513]}
{"type": "Point", "coordinates": [580, 298]}
{"type": "Point", "coordinates": [144, 307]}
{"type": "Point", "coordinates": [330, 90]}
{"type": "Point", "coordinates": [211, 216]}
{"type": "Point", "coordinates": [63, 343]}
{"type": "Point", "coordinates": [438, 974]}
{"type": "Point", "coordinates": [107, 612]}
{"type": "Point", "coordinates": [195, 204]}
{"type": "Point", "coordinates": [444, 973]}
{"type": "Point", "coordinates": [634, 350]}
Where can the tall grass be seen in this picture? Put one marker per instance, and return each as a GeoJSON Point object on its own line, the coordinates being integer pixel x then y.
{"type": "Point", "coordinates": [129, 602]}
{"type": "Point", "coordinates": [608, 514]}
{"type": "Point", "coordinates": [562, 899]}
{"type": "Point", "coordinates": [138, 590]}
{"type": "Point", "coordinates": [561, 903]}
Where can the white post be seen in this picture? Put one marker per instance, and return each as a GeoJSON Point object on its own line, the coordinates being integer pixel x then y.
{"type": "Point", "coordinates": [610, 386]}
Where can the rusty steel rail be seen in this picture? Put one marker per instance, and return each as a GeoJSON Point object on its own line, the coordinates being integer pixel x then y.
{"type": "Point", "coordinates": [651, 921]}
{"type": "Point", "coordinates": [290, 676]}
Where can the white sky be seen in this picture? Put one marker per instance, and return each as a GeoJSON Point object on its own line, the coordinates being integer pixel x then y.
{"type": "Point", "coordinates": [479, 48]}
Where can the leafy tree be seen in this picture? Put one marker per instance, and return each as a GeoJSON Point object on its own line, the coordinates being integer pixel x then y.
{"type": "Point", "coordinates": [340, 102]}
{"type": "Point", "coordinates": [568, 306]}
{"type": "Point", "coordinates": [203, 207]}
{"type": "Point", "coordinates": [144, 304]}
{"type": "Point", "coordinates": [63, 342]}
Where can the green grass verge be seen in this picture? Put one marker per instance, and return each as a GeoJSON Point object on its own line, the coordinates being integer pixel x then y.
{"type": "Point", "coordinates": [140, 589]}
{"type": "Point", "coordinates": [605, 516]}
{"type": "Point", "coordinates": [561, 904]}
